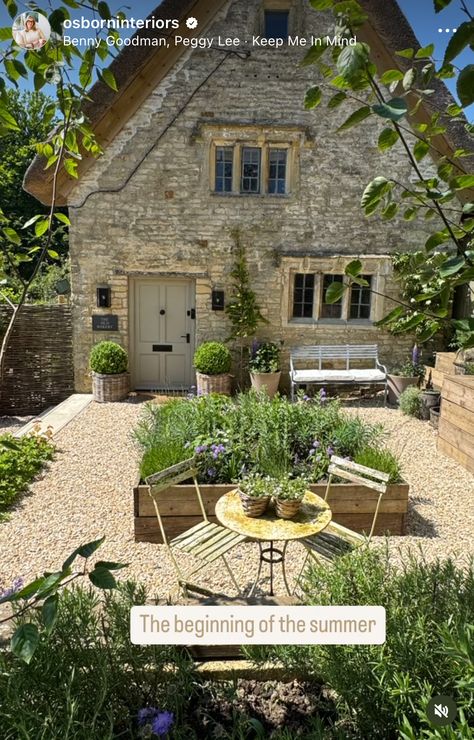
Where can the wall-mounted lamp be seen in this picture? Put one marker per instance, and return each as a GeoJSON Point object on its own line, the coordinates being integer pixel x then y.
{"type": "Point", "coordinates": [103, 297]}
{"type": "Point", "coordinates": [217, 300]}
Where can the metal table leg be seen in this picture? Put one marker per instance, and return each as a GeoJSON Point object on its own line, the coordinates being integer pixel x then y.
{"type": "Point", "coordinates": [271, 555]}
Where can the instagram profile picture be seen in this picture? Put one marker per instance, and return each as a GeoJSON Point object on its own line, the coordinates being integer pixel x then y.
{"type": "Point", "coordinates": [31, 30]}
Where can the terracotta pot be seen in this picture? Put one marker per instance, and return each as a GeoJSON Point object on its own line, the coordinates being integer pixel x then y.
{"type": "Point", "coordinates": [429, 400]}
{"type": "Point", "coordinates": [107, 388]}
{"type": "Point", "coordinates": [287, 509]}
{"type": "Point", "coordinates": [253, 506]}
{"type": "Point", "coordinates": [397, 384]}
{"type": "Point", "coordinates": [266, 381]}
{"type": "Point", "coordinates": [207, 384]}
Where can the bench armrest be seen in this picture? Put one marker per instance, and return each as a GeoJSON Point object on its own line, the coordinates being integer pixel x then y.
{"type": "Point", "coordinates": [382, 367]}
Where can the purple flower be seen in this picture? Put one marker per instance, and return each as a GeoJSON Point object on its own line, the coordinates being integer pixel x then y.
{"type": "Point", "coordinates": [146, 715]}
{"type": "Point", "coordinates": [415, 355]}
{"type": "Point", "coordinates": [16, 586]}
{"type": "Point", "coordinates": [211, 472]}
{"type": "Point", "coordinates": [306, 398]}
{"type": "Point", "coordinates": [200, 449]}
{"type": "Point", "coordinates": [162, 723]}
{"type": "Point", "coordinates": [330, 451]}
{"type": "Point", "coordinates": [323, 394]}
{"type": "Point", "coordinates": [311, 452]}
{"type": "Point", "coordinates": [316, 444]}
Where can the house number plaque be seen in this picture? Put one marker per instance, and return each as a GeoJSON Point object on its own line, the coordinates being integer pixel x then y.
{"type": "Point", "coordinates": [105, 322]}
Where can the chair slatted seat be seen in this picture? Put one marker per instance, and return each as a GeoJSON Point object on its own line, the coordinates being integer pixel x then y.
{"type": "Point", "coordinates": [205, 541]}
{"type": "Point", "coordinates": [336, 540]}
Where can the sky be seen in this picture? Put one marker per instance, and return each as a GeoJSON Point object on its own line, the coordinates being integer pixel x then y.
{"type": "Point", "coordinates": [428, 26]}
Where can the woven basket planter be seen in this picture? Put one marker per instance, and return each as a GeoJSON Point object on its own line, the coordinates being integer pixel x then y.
{"type": "Point", "coordinates": [207, 384]}
{"type": "Point", "coordinates": [287, 509]}
{"type": "Point", "coordinates": [253, 506]}
{"type": "Point", "coordinates": [107, 388]}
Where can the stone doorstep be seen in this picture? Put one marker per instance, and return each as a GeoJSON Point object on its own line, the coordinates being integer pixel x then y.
{"type": "Point", "coordinates": [56, 417]}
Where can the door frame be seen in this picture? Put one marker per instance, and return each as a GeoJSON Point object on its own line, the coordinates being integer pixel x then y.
{"type": "Point", "coordinates": [158, 278]}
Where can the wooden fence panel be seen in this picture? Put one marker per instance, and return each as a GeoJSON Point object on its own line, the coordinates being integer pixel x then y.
{"type": "Point", "coordinates": [38, 367]}
{"type": "Point", "coordinates": [456, 424]}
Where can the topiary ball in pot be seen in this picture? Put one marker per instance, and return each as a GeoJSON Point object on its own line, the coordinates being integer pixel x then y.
{"type": "Point", "coordinates": [213, 361]}
{"type": "Point", "coordinates": [110, 379]}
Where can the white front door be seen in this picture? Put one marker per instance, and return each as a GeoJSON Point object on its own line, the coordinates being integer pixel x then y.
{"type": "Point", "coordinates": [163, 333]}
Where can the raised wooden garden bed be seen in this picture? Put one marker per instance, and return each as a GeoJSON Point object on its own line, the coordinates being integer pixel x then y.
{"type": "Point", "coordinates": [352, 505]}
{"type": "Point", "coordinates": [456, 423]}
{"type": "Point", "coordinates": [444, 366]}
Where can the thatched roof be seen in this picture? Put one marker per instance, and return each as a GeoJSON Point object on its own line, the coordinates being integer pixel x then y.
{"type": "Point", "coordinates": [138, 69]}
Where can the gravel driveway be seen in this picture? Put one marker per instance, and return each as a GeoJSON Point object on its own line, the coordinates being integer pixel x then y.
{"type": "Point", "coordinates": [86, 492]}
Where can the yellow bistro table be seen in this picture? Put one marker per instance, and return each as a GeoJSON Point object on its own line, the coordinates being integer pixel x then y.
{"type": "Point", "coordinates": [313, 516]}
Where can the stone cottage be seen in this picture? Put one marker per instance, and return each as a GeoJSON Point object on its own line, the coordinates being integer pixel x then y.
{"type": "Point", "coordinates": [207, 146]}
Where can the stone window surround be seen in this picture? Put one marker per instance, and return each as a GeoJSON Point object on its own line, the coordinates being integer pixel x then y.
{"type": "Point", "coordinates": [294, 15]}
{"type": "Point", "coordinates": [379, 266]}
{"type": "Point", "coordinates": [265, 137]}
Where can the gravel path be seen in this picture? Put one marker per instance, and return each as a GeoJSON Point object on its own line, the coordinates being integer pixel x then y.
{"type": "Point", "coordinates": [11, 424]}
{"type": "Point", "coordinates": [86, 492]}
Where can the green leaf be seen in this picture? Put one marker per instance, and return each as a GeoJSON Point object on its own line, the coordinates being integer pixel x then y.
{"type": "Point", "coordinates": [110, 565]}
{"type": "Point", "coordinates": [9, 444]}
{"type": "Point", "coordinates": [465, 85]}
{"type": "Point", "coordinates": [411, 323]}
{"type": "Point", "coordinates": [334, 292]}
{"type": "Point", "coordinates": [353, 60]}
{"type": "Point", "coordinates": [440, 5]}
{"type": "Point", "coordinates": [70, 165]}
{"type": "Point", "coordinates": [394, 109]}
{"type": "Point", "coordinates": [420, 150]}
{"type": "Point", "coordinates": [107, 76]}
{"type": "Point", "coordinates": [337, 99]}
{"type": "Point", "coordinates": [457, 43]}
{"type": "Point", "coordinates": [102, 578]}
{"type": "Point", "coordinates": [431, 329]}
{"type": "Point", "coordinates": [32, 220]}
{"type": "Point", "coordinates": [6, 33]}
{"type": "Point", "coordinates": [6, 119]}
{"type": "Point", "coordinates": [63, 218]}
{"type": "Point", "coordinates": [390, 211]}
{"type": "Point", "coordinates": [425, 52]}
{"type": "Point", "coordinates": [84, 551]}
{"type": "Point", "coordinates": [41, 227]}
{"type": "Point", "coordinates": [24, 641]}
{"type": "Point", "coordinates": [355, 118]}
{"type": "Point", "coordinates": [354, 268]}
{"type": "Point", "coordinates": [387, 139]}
{"type": "Point", "coordinates": [11, 235]}
{"type": "Point", "coordinates": [374, 192]}
{"type": "Point", "coordinates": [313, 97]}
{"type": "Point", "coordinates": [391, 75]}
{"type": "Point", "coordinates": [104, 11]}
{"type": "Point", "coordinates": [53, 254]}
{"type": "Point", "coordinates": [49, 612]}
{"type": "Point", "coordinates": [462, 182]}
{"type": "Point", "coordinates": [12, 8]}
{"type": "Point", "coordinates": [85, 74]}
{"type": "Point", "coordinates": [452, 266]}
{"type": "Point", "coordinates": [392, 316]}
{"type": "Point", "coordinates": [406, 53]}
{"type": "Point", "coordinates": [316, 52]}
{"type": "Point", "coordinates": [410, 214]}
{"type": "Point", "coordinates": [445, 171]}
{"type": "Point", "coordinates": [440, 237]}
{"type": "Point", "coordinates": [409, 79]}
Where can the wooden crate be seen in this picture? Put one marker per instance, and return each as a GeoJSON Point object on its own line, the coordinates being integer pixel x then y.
{"type": "Point", "coordinates": [456, 423]}
{"type": "Point", "coordinates": [444, 366]}
{"type": "Point", "coordinates": [352, 505]}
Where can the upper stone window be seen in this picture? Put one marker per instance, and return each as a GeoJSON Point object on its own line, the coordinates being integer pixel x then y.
{"type": "Point", "coordinates": [276, 23]}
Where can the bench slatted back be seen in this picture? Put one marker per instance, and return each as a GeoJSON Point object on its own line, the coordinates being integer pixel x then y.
{"type": "Point", "coordinates": [171, 476]}
{"type": "Point", "coordinates": [322, 352]}
{"type": "Point", "coordinates": [360, 474]}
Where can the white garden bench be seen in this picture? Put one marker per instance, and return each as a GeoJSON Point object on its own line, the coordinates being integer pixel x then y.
{"type": "Point", "coordinates": [340, 354]}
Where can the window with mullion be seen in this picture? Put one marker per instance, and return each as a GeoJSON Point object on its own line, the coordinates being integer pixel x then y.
{"type": "Point", "coordinates": [277, 171]}
{"type": "Point", "coordinates": [330, 310]}
{"type": "Point", "coordinates": [303, 296]}
{"type": "Point", "coordinates": [361, 300]}
{"type": "Point", "coordinates": [250, 169]}
{"type": "Point", "coordinates": [224, 168]}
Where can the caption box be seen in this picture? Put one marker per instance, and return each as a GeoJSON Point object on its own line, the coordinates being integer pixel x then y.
{"type": "Point", "coordinates": [257, 625]}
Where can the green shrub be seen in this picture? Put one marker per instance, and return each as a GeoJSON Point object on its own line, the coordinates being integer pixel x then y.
{"type": "Point", "coordinates": [265, 358]}
{"type": "Point", "coordinates": [469, 368]}
{"type": "Point", "coordinates": [108, 358]}
{"type": "Point", "coordinates": [20, 461]}
{"type": "Point", "coordinates": [410, 402]}
{"type": "Point", "coordinates": [233, 437]}
{"type": "Point", "coordinates": [428, 648]}
{"type": "Point", "coordinates": [379, 458]}
{"type": "Point", "coordinates": [87, 680]}
{"type": "Point", "coordinates": [212, 358]}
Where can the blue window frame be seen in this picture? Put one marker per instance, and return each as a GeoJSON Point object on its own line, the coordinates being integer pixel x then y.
{"type": "Point", "coordinates": [276, 24]}
{"type": "Point", "coordinates": [224, 168]}
{"type": "Point", "coordinates": [277, 171]}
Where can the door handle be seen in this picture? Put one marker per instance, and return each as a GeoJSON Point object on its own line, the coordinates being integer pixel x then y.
{"type": "Point", "coordinates": [187, 337]}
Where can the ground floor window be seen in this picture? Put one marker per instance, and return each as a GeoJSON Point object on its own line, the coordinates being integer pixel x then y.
{"type": "Point", "coordinates": [309, 298]}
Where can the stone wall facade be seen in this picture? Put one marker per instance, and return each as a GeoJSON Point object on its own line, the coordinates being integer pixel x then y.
{"type": "Point", "coordinates": [166, 221]}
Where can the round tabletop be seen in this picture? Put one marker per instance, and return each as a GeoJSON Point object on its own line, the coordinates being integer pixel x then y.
{"type": "Point", "coordinates": [313, 516]}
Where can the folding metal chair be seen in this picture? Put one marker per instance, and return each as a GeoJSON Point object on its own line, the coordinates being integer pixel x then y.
{"type": "Point", "coordinates": [337, 540]}
{"type": "Point", "coordinates": [205, 541]}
